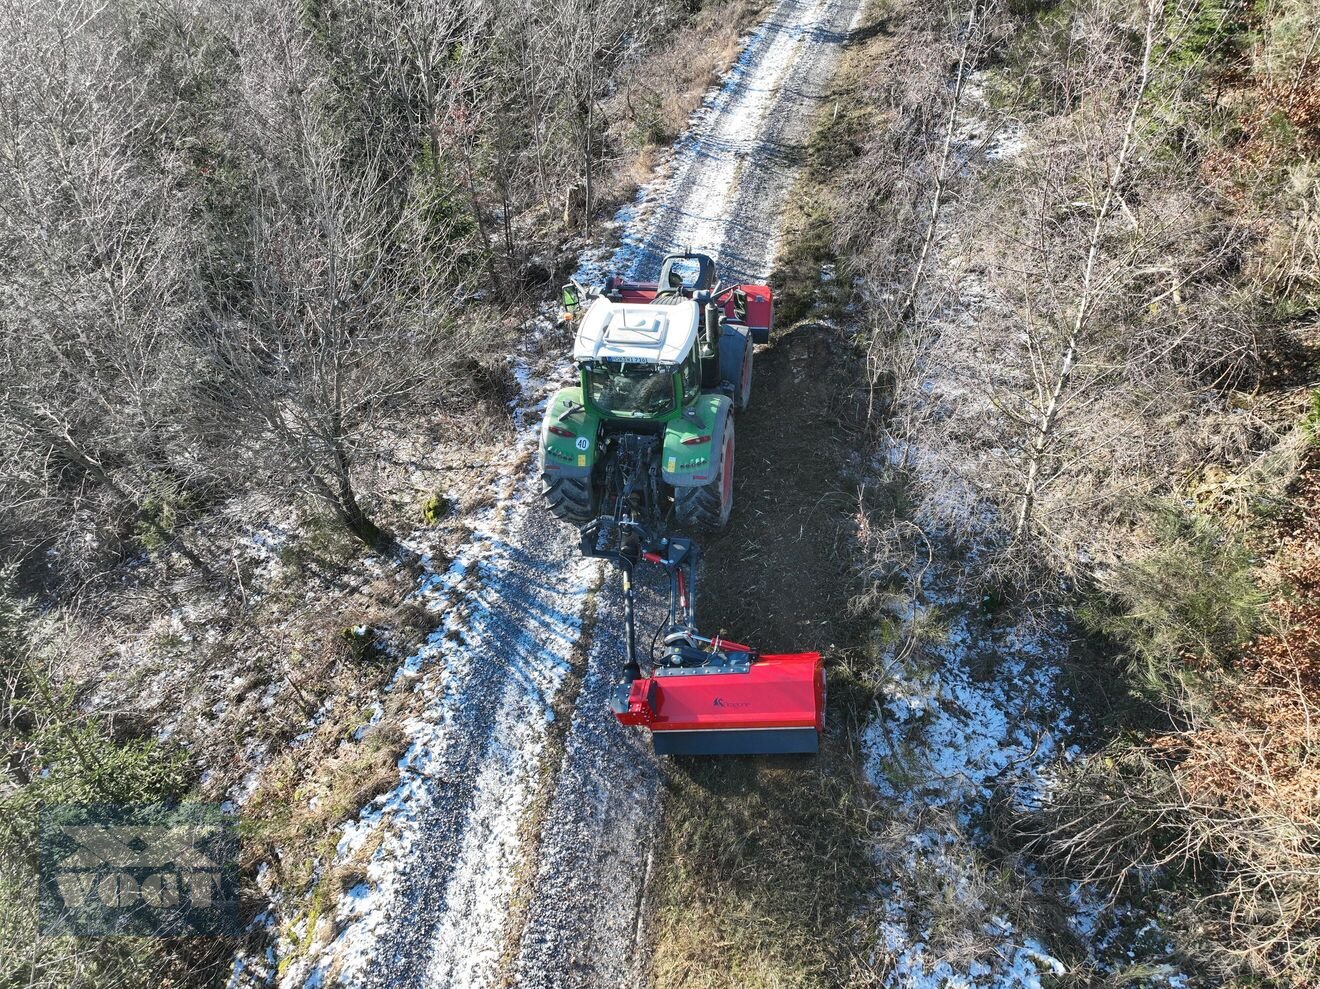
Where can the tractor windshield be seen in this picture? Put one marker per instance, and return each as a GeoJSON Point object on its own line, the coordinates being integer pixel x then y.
{"type": "Point", "coordinates": [631, 389]}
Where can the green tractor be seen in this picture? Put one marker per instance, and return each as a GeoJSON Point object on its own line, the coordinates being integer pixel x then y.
{"type": "Point", "coordinates": [644, 442]}
{"type": "Point", "coordinates": [648, 432]}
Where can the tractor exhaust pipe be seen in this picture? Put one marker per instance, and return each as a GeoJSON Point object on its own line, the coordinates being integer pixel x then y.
{"type": "Point", "coordinates": [712, 318]}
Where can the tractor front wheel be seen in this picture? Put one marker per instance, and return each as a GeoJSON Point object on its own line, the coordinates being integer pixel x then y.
{"type": "Point", "coordinates": [569, 498]}
{"type": "Point", "coordinates": [708, 506]}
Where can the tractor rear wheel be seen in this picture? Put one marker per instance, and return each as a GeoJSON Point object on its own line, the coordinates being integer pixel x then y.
{"type": "Point", "coordinates": [708, 506]}
{"type": "Point", "coordinates": [569, 498]}
{"type": "Point", "coordinates": [744, 393]}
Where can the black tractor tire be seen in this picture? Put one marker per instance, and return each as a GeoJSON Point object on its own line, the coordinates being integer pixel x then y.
{"type": "Point", "coordinates": [707, 507]}
{"type": "Point", "coordinates": [742, 395]}
{"type": "Point", "coordinates": [736, 350]}
{"type": "Point", "coordinates": [570, 499]}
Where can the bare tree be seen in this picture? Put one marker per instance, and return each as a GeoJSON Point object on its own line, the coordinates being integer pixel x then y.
{"type": "Point", "coordinates": [352, 313]}
{"type": "Point", "coordinates": [97, 273]}
{"type": "Point", "coordinates": [1081, 311]}
{"type": "Point", "coordinates": [1054, 372]}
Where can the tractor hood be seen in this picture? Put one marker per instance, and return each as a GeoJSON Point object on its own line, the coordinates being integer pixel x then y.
{"type": "Point", "coordinates": [637, 334]}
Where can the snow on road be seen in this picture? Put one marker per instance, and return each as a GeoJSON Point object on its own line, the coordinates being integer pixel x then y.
{"type": "Point", "coordinates": [439, 883]}
{"type": "Point", "coordinates": [446, 845]}
{"type": "Point", "coordinates": [773, 84]}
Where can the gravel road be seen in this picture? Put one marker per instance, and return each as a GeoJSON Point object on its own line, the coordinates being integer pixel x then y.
{"type": "Point", "coordinates": [461, 892]}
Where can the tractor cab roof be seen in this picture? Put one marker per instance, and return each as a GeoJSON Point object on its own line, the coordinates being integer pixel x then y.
{"type": "Point", "coordinates": [656, 333]}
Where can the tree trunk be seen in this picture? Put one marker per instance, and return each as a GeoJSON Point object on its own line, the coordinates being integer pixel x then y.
{"type": "Point", "coordinates": [495, 283]}
{"type": "Point", "coordinates": [346, 503]}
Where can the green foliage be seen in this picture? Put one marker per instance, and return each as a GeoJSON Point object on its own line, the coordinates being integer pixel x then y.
{"type": "Point", "coordinates": [1311, 421]}
{"type": "Point", "coordinates": [1199, 32]}
{"type": "Point", "coordinates": [58, 754]}
{"type": "Point", "coordinates": [1279, 131]}
{"type": "Point", "coordinates": [437, 197]}
{"type": "Point", "coordinates": [436, 507]}
{"type": "Point", "coordinates": [441, 223]}
{"type": "Point", "coordinates": [1030, 8]}
{"type": "Point", "coordinates": [1036, 61]}
{"type": "Point", "coordinates": [1176, 122]}
{"type": "Point", "coordinates": [650, 127]}
{"type": "Point", "coordinates": [1188, 602]}
{"type": "Point", "coordinates": [155, 522]}
{"type": "Point", "coordinates": [363, 644]}
{"type": "Point", "coordinates": [79, 763]}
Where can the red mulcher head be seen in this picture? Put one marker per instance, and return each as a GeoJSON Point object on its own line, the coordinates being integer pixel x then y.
{"type": "Point", "coordinates": [769, 704]}
{"type": "Point", "coordinates": [707, 696]}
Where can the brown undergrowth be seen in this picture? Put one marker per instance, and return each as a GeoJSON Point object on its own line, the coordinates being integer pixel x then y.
{"type": "Point", "coordinates": [1260, 751]}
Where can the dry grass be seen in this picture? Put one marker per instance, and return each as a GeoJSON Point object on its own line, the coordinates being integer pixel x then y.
{"type": "Point", "coordinates": [767, 861]}
{"type": "Point", "coordinates": [292, 820]}
{"type": "Point", "coordinates": [1262, 753]}
{"type": "Point", "coordinates": [810, 233]}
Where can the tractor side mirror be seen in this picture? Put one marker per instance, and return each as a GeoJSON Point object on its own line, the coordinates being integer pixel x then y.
{"type": "Point", "coordinates": [568, 295]}
{"type": "Point", "coordinates": [740, 305]}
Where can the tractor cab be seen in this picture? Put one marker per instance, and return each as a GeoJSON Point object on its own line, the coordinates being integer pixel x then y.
{"type": "Point", "coordinates": [631, 391]}
{"type": "Point", "coordinates": [639, 361]}
{"type": "Point", "coordinates": [661, 368]}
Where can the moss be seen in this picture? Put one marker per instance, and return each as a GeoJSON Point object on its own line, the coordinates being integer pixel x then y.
{"type": "Point", "coordinates": [803, 284]}
{"type": "Point", "coordinates": [1311, 421]}
{"type": "Point", "coordinates": [436, 507]}
{"type": "Point", "coordinates": [364, 644]}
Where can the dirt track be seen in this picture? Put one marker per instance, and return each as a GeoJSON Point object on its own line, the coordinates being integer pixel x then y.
{"type": "Point", "coordinates": [504, 856]}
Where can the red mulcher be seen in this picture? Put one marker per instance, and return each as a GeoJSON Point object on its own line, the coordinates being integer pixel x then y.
{"type": "Point", "coordinates": [766, 704]}
{"type": "Point", "coordinates": [706, 696]}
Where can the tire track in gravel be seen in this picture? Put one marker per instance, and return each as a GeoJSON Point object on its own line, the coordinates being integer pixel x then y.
{"type": "Point", "coordinates": [503, 648]}
{"type": "Point", "coordinates": [754, 228]}
{"type": "Point", "coordinates": [693, 208]}
{"type": "Point", "coordinates": [584, 927]}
